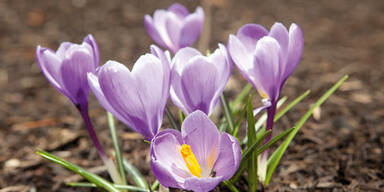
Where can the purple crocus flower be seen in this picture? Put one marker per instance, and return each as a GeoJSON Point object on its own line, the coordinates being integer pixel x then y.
{"type": "Point", "coordinates": [137, 97]}
{"type": "Point", "coordinates": [175, 28]}
{"type": "Point", "coordinates": [66, 69]}
{"type": "Point", "coordinates": [198, 158]}
{"type": "Point", "coordinates": [266, 60]}
{"type": "Point", "coordinates": [197, 81]}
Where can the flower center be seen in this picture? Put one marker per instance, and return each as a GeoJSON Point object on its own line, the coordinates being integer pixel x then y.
{"type": "Point", "coordinates": [190, 160]}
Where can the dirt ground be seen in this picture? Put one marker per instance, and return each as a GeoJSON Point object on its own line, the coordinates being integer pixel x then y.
{"type": "Point", "coordinates": [339, 150]}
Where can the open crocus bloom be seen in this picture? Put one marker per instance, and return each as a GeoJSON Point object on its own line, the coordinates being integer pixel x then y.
{"type": "Point", "coordinates": [197, 81]}
{"type": "Point", "coordinates": [136, 97]}
{"type": "Point", "coordinates": [175, 28]}
{"type": "Point", "coordinates": [67, 68]}
{"type": "Point", "coordinates": [198, 158]}
{"type": "Point", "coordinates": [267, 59]}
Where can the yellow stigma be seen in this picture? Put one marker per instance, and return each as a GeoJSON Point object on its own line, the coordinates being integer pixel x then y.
{"type": "Point", "coordinates": [190, 160]}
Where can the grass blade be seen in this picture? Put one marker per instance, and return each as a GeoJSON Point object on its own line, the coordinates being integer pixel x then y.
{"type": "Point", "coordinates": [242, 95]}
{"type": "Point", "coordinates": [276, 156]}
{"type": "Point", "coordinates": [252, 162]}
{"type": "Point", "coordinates": [171, 119]}
{"type": "Point", "coordinates": [93, 178]}
{"type": "Point", "coordinates": [155, 185]}
{"type": "Point", "coordinates": [137, 177]}
{"type": "Point", "coordinates": [230, 186]}
{"type": "Point", "coordinates": [116, 146]}
{"type": "Point", "coordinates": [291, 104]}
{"type": "Point", "coordinates": [227, 113]}
{"type": "Point", "coordinates": [91, 185]}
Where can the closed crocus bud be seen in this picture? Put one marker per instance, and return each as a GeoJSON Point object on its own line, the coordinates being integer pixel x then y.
{"type": "Point", "coordinates": [137, 97]}
{"type": "Point", "coordinates": [67, 68]}
{"type": "Point", "coordinates": [198, 158]}
{"type": "Point", "coordinates": [197, 81]}
{"type": "Point", "coordinates": [175, 28]}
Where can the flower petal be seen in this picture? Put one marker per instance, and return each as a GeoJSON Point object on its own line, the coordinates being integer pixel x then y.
{"type": "Point", "coordinates": [202, 184]}
{"type": "Point", "coordinates": [173, 25]}
{"type": "Point", "coordinates": [78, 61]}
{"type": "Point", "coordinates": [166, 157]}
{"type": "Point", "coordinates": [280, 33]}
{"type": "Point", "coordinates": [202, 135]}
{"type": "Point", "coordinates": [198, 83]}
{"type": "Point", "coordinates": [179, 10]}
{"type": "Point", "coordinates": [93, 82]}
{"type": "Point", "coordinates": [50, 65]}
{"type": "Point", "coordinates": [249, 34]}
{"type": "Point", "coordinates": [268, 60]}
{"type": "Point", "coordinates": [95, 49]}
{"type": "Point", "coordinates": [153, 31]}
{"type": "Point", "coordinates": [295, 49]}
{"type": "Point", "coordinates": [121, 91]}
{"type": "Point", "coordinates": [229, 157]}
{"type": "Point", "coordinates": [192, 26]}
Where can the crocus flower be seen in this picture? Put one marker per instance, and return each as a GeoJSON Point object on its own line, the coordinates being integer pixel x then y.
{"type": "Point", "coordinates": [198, 158]}
{"type": "Point", "coordinates": [175, 28]}
{"type": "Point", "coordinates": [137, 97]}
{"type": "Point", "coordinates": [66, 69]}
{"type": "Point", "coordinates": [266, 60]}
{"type": "Point", "coordinates": [197, 81]}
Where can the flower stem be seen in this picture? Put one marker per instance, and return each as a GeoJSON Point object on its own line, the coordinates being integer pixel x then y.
{"type": "Point", "coordinates": [271, 115]}
{"type": "Point", "coordinates": [112, 170]}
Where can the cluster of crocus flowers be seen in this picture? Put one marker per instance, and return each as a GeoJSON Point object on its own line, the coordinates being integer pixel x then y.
{"type": "Point", "coordinates": [198, 158]}
{"type": "Point", "coordinates": [175, 28]}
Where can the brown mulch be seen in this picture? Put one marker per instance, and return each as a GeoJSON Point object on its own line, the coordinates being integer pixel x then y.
{"type": "Point", "coordinates": [341, 149]}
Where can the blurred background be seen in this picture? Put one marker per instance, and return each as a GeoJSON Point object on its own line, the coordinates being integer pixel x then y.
{"type": "Point", "coordinates": [339, 149]}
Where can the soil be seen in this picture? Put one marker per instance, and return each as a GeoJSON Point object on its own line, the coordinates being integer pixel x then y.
{"type": "Point", "coordinates": [339, 149]}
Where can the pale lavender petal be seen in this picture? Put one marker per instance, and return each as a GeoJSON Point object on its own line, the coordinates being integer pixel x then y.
{"type": "Point", "coordinates": [249, 34]}
{"type": "Point", "coordinates": [165, 156]}
{"type": "Point", "coordinates": [266, 103]}
{"type": "Point", "coordinates": [173, 26]}
{"type": "Point", "coordinates": [62, 49]}
{"type": "Point", "coordinates": [149, 75]}
{"type": "Point", "coordinates": [280, 33]}
{"type": "Point", "coordinates": [152, 31]}
{"type": "Point", "coordinates": [160, 18]}
{"type": "Point", "coordinates": [120, 89]}
{"type": "Point", "coordinates": [242, 59]}
{"type": "Point", "coordinates": [78, 61]}
{"type": "Point", "coordinates": [192, 26]}
{"type": "Point", "coordinates": [229, 157]}
{"type": "Point", "coordinates": [95, 49]}
{"type": "Point", "coordinates": [179, 61]}
{"type": "Point", "coordinates": [268, 60]}
{"type": "Point", "coordinates": [202, 135]}
{"type": "Point", "coordinates": [50, 65]}
{"type": "Point", "coordinates": [202, 184]}
{"type": "Point", "coordinates": [295, 49]}
{"type": "Point", "coordinates": [179, 10]}
{"type": "Point", "coordinates": [198, 82]}
{"type": "Point", "coordinates": [93, 82]}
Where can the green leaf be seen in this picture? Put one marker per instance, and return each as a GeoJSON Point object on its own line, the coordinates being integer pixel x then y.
{"type": "Point", "coordinates": [127, 187]}
{"type": "Point", "coordinates": [181, 117]}
{"type": "Point", "coordinates": [242, 95]}
{"type": "Point", "coordinates": [276, 156]}
{"type": "Point", "coordinates": [252, 162]}
{"type": "Point", "coordinates": [290, 105]}
{"type": "Point", "coordinates": [137, 177]}
{"type": "Point", "coordinates": [230, 186]}
{"type": "Point", "coordinates": [227, 113]}
{"type": "Point", "coordinates": [171, 119]}
{"type": "Point", "coordinates": [116, 146]}
{"type": "Point", "coordinates": [93, 178]}
{"type": "Point", "coordinates": [155, 185]}
{"type": "Point", "coordinates": [238, 123]}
